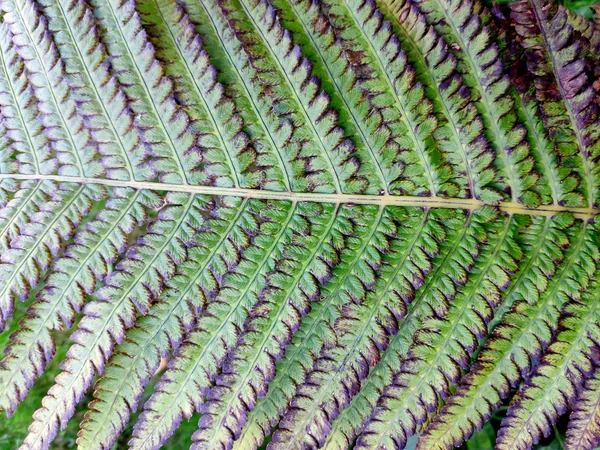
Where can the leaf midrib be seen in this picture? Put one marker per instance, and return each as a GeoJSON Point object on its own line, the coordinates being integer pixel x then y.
{"type": "Point", "coordinates": [586, 213]}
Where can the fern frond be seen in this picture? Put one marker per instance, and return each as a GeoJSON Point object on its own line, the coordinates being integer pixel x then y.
{"type": "Point", "coordinates": [78, 273]}
{"type": "Point", "coordinates": [351, 420]}
{"type": "Point", "coordinates": [463, 27]}
{"type": "Point", "coordinates": [91, 76]}
{"type": "Point", "coordinates": [172, 145]}
{"type": "Point", "coordinates": [587, 29]}
{"type": "Point", "coordinates": [584, 427]}
{"type": "Point", "coordinates": [337, 163]}
{"type": "Point", "coordinates": [82, 55]}
{"type": "Point", "coordinates": [549, 143]}
{"type": "Point", "coordinates": [306, 224]}
{"type": "Point", "coordinates": [37, 48]}
{"type": "Point", "coordinates": [557, 378]}
{"type": "Point", "coordinates": [408, 97]}
{"type": "Point", "coordinates": [372, 94]}
{"type": "Point", "coordinates": [193, 369]}
{"type": "Point", "coordinates": [344, 82]}
{"type": "Point", "coordinates": [21, 151]}
{"type": "Point", "coordinates": [214, 114]}
{"type": "Point", "coordinates": [524, 332]}
{"type": "Point", "coordinates": [261, 122]}
{"type": "Point", "coordinates": [49, 148]}
{"type": "Point", "coordinates": [270, 116]}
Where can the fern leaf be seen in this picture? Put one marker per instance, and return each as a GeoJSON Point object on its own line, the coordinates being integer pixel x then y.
{"type": "Point", "coordinates": [311, 224]}
{"type": "Point", "coordinates": [587, 29]}
{"type": "Point", "coordinates": [342, 81]}
{"type": "Point", "coordinates": [399, 78]}
{"type": "Point", "coordinates": [173, 146]}
{"type": "Point", "coordinates": [303, 167]}
{"type": "Point", "coordinates": [585, 419]}
{"type": "Point", "coordinates": [365, 92]}
{"type": "Point", "coordinates": [557, 379]}
{"type": "Point", "coordinates": [443, 345]}
{"type": "Point", "coordinates": [163, 328]}
{"type": "Point", "coordinates": [348, 424]}
{"type": "Point", "coordinates": [21, 151]}
{"type": "Point", "coordinates": [85, 263]}
{"type": "Point", "coordinates": [134, 285]}
{"type": "Point", "coordinates": [98, 90]}
{"type": "Point", "coordinates": [438, 295]}
{"type": "Point", "coordinates": [42, 58]}
{"type": "Point", "coordinates": [17, 207]}
{"type": "Point", "coordinates": [523, 334]}
{"type": "Point", "coordinates": [82, 55]}
{"type": "Point", "coordinates": [192, 371]}
{"type": "Point", "coordinates": [261, 122]}
{"type": "Point", "coordinates": [547, 140]}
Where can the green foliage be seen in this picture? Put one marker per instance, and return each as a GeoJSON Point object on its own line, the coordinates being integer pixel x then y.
{"type": "Point", "coordinates": [299, 224]}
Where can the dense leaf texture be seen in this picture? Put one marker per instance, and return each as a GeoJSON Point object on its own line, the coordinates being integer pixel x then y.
{"type": "Point", "coordinates": [316, 223]}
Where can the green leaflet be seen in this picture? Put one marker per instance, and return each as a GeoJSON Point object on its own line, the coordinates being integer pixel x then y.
{"type": "Point", "coordinates": [75, 275]}
{"type": "Point", "coordinates": [485, 74]}
{"type": "Point", "coordinates": [559, 376]}
{"type": "Point", "coordinates": [583, 428]}
{"type": "Point", "coordinates": [523, 334]}
{"type": "Point", "coordinates": [138, 357]}
{"type": "Point", "coordinates": [312, 224]}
